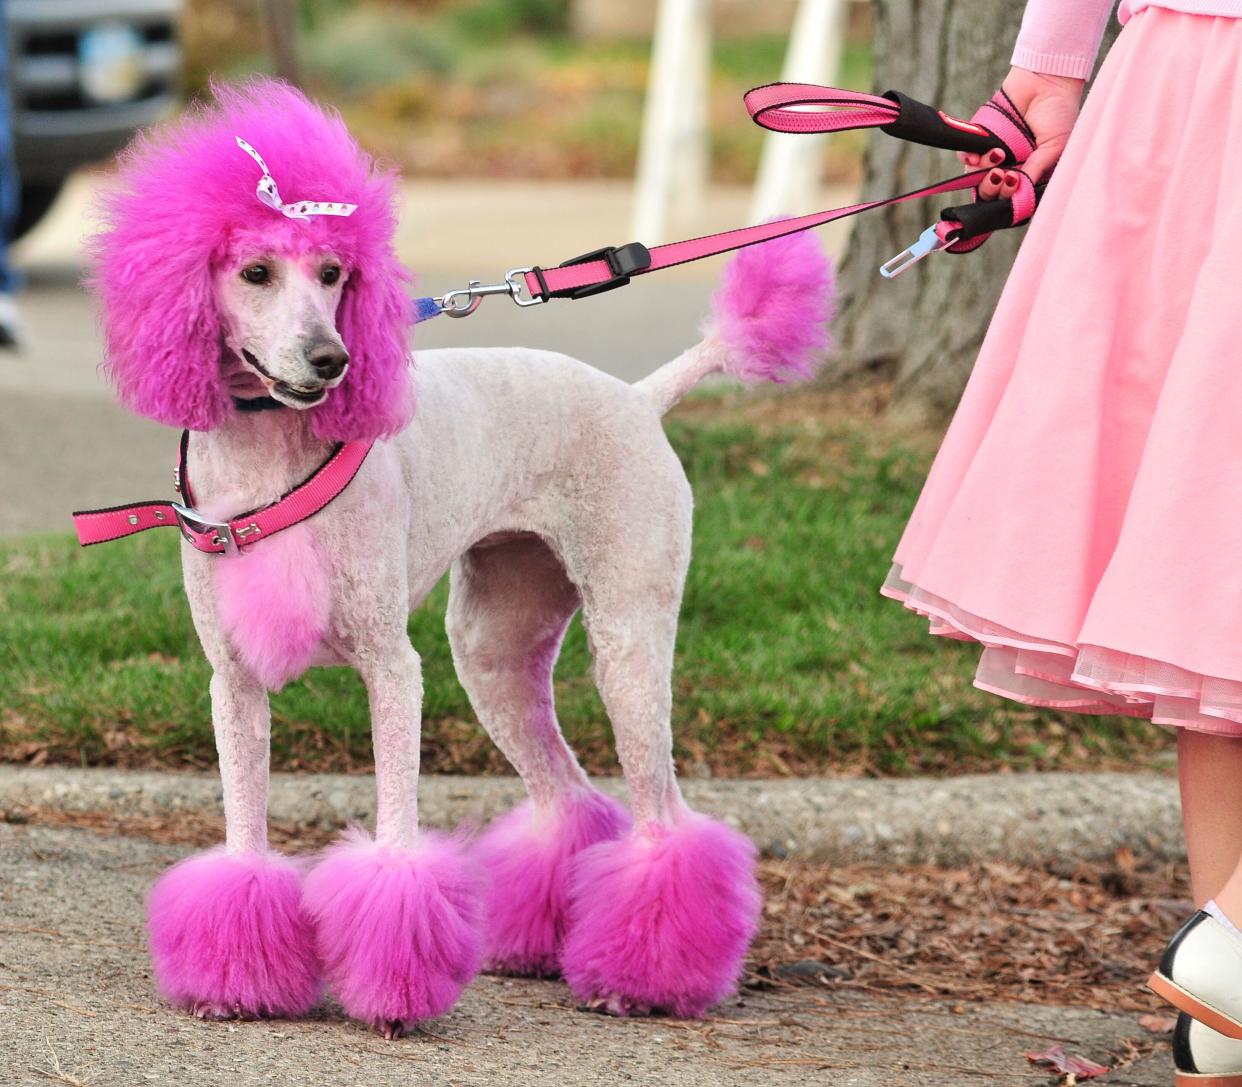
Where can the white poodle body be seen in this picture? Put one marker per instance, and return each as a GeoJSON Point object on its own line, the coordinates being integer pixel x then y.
{"type": "Point", "coordinates": [547, 486]}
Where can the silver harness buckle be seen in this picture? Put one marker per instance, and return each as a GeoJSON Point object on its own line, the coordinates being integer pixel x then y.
{"type": "Point", "coordinates": [194, 523]}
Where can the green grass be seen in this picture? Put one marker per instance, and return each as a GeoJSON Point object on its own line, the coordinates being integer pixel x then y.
{"type": "Point", "coordinates": [788, 659]}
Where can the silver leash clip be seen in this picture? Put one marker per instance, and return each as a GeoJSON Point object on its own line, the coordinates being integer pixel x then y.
{"type": "Point", "coordinates": [929, 242]}
{"type": "Point", "coordinates": [464, 302]}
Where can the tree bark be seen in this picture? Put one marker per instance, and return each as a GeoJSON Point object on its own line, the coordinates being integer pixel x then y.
{"type": "Point", "coordinates": [279, 18]}
{"type": "Point", "coordinates": [922, 331]}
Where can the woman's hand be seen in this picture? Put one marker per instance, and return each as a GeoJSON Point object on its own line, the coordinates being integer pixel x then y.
{"type": "Point", "coordinates": [1050, 104]}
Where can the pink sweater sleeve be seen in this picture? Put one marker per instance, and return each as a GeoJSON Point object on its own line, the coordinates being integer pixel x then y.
{"type": "Point", "coordinates": [1061, 37]}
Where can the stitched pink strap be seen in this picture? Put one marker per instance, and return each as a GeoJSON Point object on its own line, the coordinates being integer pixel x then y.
{"type": "Point", "coordinates": [305, 500]}
{"type": "Point", "coordinates": [100, 526]}
{"type": "Point", "coordinates": [574, 276]}
{"type": "Point", "coordinates": [808, 108]}
{"type": "Point", "coordinates": [771, 107]}
{"type": "Point", "coordinates": [1001, 116]}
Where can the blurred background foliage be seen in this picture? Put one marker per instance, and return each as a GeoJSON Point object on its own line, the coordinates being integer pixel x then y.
{"type": "Point", "coordinates": [500, 88]}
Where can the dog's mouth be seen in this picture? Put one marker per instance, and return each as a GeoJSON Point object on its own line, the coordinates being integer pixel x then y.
{"type": "Point", "coordinates": [295, 396]}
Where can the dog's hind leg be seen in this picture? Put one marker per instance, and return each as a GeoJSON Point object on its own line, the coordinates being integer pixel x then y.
{"type": "Point", "coordinates": [509, 606]}
{"type": "Point", "coordinates": [660, 920]}
{"type": "Point", "coordinates": [229, 937]}
{"type": "Point", "coordinates": [398, 919]}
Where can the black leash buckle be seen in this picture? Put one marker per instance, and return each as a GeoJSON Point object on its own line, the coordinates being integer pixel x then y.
{"type": "Point", "coordinates": [623, 261]}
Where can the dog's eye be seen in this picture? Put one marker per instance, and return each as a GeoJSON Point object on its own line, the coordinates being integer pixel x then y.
{"type": "Point", "coordinates": [329, 275]}
{"type": "Point", "coordinates": [256, 273]}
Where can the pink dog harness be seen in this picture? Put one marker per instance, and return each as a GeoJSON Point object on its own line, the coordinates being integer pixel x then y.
{"type": "Point", "coordinates": [225, 537]}
{"type": "Point", "coordinates": [782, 107]}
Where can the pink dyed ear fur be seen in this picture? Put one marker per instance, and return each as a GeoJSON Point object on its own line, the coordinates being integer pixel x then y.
{"type": "Point", "coordinates": [376, 399]}
{"type": "Point", "coordinates": [162, 335]}
{"type": "Point", "coordinates": [182, 192]}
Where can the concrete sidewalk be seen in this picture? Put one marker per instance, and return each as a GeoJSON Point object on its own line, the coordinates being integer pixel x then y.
{"type": "Point", "coordinates": [1022, 818]}
{"type": "Point", "coordinates": [78, 1008]}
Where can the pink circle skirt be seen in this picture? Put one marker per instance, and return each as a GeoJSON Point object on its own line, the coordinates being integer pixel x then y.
{"type": "Point", "coordinates": [1083, 519]}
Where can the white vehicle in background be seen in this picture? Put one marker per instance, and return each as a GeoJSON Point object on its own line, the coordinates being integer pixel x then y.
{"type": "Point", "coordinates": [83, 76]}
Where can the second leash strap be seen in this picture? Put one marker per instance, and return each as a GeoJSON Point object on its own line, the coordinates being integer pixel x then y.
{"type": "Point", "coordinates": [809, 109]}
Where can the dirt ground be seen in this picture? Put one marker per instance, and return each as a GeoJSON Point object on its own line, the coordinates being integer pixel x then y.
{"type": "Point", "coordinates": [863, 975]}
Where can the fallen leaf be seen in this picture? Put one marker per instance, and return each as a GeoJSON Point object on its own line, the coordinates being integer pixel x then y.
{"type": "Point", "coordinates": [1067, 1064]}
{"type": "Point", "coordinates": [1157, 1024]}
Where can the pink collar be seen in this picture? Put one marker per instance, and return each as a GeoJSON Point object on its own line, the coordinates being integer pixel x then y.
{"type": "Point", "coordinates": [226, 537]}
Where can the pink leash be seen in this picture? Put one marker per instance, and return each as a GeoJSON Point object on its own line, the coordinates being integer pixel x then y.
{"type": "Point", "coordinates": [807, 108]}
{"type": "Point", "coordinates": [225, 537]}
{"type": "Point", "coordinates": [781, 107]}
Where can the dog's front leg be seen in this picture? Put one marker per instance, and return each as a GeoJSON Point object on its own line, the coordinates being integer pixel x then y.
{"type": "Point", "coordinates": [229, 936]}
{"type": "Point", "coordinates": [399, 919]}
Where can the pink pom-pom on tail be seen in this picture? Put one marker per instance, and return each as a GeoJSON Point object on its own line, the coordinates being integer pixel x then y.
{"type": "Point", "coordinates": [773, 309]}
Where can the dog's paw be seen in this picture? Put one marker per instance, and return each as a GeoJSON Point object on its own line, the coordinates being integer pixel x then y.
{"type": "Point", "coordinates": [207, 1009]}
{"type": "Point", "coordinates": [399, 931]}
{"type": "Point", "coordinates": [528, 854]}
{"type": "Point", "coordinates": [660, 920]}
{"type": "Point", "coordinates": [618, 1006]}
{"type": "Point", "coordinates": [229, 939]}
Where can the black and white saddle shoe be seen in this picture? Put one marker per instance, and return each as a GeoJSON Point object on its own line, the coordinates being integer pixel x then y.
{"type": "Point", "coordinates": [1204, 1058]}
{"type": "Point", "coordinates": [1200, 974]}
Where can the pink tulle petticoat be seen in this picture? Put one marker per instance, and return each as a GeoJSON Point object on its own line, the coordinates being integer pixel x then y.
{"type": "Point", "coordinates": [1081, 519]}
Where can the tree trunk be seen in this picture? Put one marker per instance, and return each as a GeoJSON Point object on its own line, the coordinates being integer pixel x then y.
{"type": "Point", "coordinates": [923, 330]}
{"type": "Point", "coordinates": [282, 39]}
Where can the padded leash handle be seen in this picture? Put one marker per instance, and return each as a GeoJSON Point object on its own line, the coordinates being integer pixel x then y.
{"type": "Point", "coordinates": [805, 108]}
{"type": "Point", "coordinates": [964, 228]}
{"type": "Point", "coordinates": [978, 220]}
{"type": "Point", "coordinates": [923, 124]}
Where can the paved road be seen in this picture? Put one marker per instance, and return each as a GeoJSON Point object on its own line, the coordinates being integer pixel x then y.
{"type": "Point", "coordinates": [64, 444]}
{"type": "Point", "coordinates": [75, 993]}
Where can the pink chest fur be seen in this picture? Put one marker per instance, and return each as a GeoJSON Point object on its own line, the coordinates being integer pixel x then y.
{"type": "Point", "coordinates": [274, 601]}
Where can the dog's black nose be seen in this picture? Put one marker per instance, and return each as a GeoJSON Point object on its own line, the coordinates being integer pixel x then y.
{"type": "Point", "coordinates": [328, 359]}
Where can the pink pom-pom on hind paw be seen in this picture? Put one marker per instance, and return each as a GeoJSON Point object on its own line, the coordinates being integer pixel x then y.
{"type": "Point", "coordinates": [661, 920]}
{"type": "Point", "coordinates": [229, 938]}
{"type": "Point", "coordinates": [399, 930]}
{"type": "Point", "coordinates": [773, 308]}
{"type": "Point", "coordinates": [528, 853]}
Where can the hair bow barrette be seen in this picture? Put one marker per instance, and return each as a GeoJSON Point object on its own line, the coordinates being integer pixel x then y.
{"type": "Point", "coordinates": [302, 209]}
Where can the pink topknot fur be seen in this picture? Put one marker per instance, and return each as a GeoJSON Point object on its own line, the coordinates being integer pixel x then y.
{"type": "Point", "coordinates": [773, 308]}
{"type": "Point", "coordinates": [184, 192]}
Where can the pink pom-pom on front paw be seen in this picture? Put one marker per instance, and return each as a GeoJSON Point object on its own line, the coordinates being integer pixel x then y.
{"type": "Point", "coordinates": [773, 309]}
{"type": "Point", "coordinates": [528, 853]}
{"type": "Point", "coordinates": [229, 938]}
{"type": "Point", "coordinates": [399, 930]}
{"type": "Point", "coordinates": [661, 920]}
